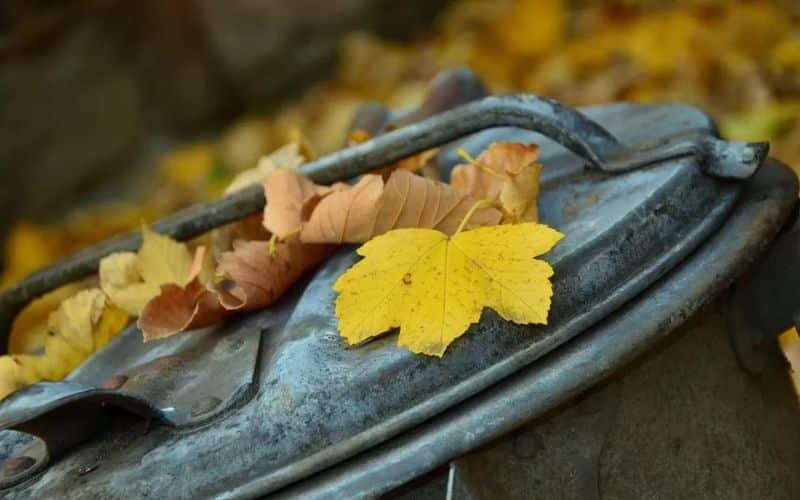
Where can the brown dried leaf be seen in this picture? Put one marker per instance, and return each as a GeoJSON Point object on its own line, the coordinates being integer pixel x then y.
{"type": "Point", "coordinates": [254, 278]}
{"type": "Point", "coordinates": [180, 308]}
{"type": "Point", "coordinates": [347, 215]}
{"type": "Point", "coordinates": [248, 228]}
{"type": "Point", "coordinates": [287, 157]}
{"type": "Point", "coordinates": [505, 172]}
{"type": "Point", "coordinates": [177, 309]}
{"type": "Point", "coordinates": [371, 208]}
{"type": "Point", "coordinates": [290, 200]}
{"type": "Point", "coordinates": [130, 279]}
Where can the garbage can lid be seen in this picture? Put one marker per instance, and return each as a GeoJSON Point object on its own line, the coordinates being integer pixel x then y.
{"type": "Point", "coordinates": [258, 403]}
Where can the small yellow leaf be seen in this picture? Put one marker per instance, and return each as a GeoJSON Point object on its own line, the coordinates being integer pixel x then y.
{"type": "Point", "coordinates": [16, 372]}
{"type": "Point", "coordinates": [30, 326]}
{"type": "Point", "coordinates": [433, 286]}
{"type": "Point", "coordinates": [112, 321]}
{"type": "Point", "coordinates": [131, 280]}
{"type": "Point", "coordinates": [75, 319]}
{"type": "Point", "coordinates": [163, 260]}
{"type": "Point", "coordinates": [82, 324]}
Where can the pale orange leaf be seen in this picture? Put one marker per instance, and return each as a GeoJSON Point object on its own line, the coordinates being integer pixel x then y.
{"type": "Point", "coordinates": [254, 278]}
{"type": "Point", "coordinates": [290, 200]}
{"type": "Point", "coordinates": [506, 172]}
{"type": "Point", "coordinates": [373, 207]}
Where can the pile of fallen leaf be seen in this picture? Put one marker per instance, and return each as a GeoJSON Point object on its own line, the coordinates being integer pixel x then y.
{"type": "Point", "coordinates": [435, 255]}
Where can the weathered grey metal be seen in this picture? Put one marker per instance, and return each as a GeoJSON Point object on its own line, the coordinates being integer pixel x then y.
{"type": "Point", "coordinates": [568, 127]}
{"type": "Point", "coordinates": [166, 387]}
{"type": "Point", "coordinates": [181, 383]}
{"type": "Point", "coordinates": [23, 456]}
{"type": "Point", "coordinates": [320, 403]}
{"type": "Point", "coordinates": [593, 356]}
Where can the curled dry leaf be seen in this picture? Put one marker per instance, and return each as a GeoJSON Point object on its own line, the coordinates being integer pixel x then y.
{"type": "Point", "coordinates": [81, 325]}
{"type": "Point", "coordinates": [290, 200]}
{"type": "Point", "coordinates": [505, 172]}
{"type": "Point", "coordinates": [247, 228]}
{"type": "Point", "coordinates": [372, 207]}
{"type": "Point", "coordinates": [30, 326]}
{"type": "Point", "coordinates": [131, 280]}
{"type": "Point", "coordinates": [433, 286]}
{"type": "Point", "coordinates": [180, 308]}
{"type": "Point", "coordinates": [286, 158]}
{"type": "Point", "coordinates": [253, 277]}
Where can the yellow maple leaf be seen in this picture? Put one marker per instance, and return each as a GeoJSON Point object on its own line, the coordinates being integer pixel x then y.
{"type": "Point", "coordinates": [433, 286]}
{"type": "Point", "coordinates": [80, 326]}
{"type": "Point", "coordinates": [17, 371]}
{"type": "Point", "coordinates": [131, 280]}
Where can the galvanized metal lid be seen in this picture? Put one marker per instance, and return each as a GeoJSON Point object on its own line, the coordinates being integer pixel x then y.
{"type": "Point", "coordinates": [274, 398]}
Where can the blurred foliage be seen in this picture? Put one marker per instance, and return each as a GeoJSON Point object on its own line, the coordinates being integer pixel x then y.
{"type": "Point", "coordinates": [738, 60]}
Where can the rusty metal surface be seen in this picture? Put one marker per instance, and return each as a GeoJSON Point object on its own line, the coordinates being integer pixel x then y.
{"type": "Point", "coordinates": [320, 403]}
{"type": "Point", "coordinates": [573, 368]}
{"type": "Point", "coordinates": [571, 129]}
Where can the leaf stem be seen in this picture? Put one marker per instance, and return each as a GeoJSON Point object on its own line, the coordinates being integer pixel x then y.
{"type": "Point", "coordinates": [274, 240]}
{"type": "Point", "coordinates": [465, 156]}
{"type": "Point", "coordinates": [477, 206]}
{"type": "Point", "coordinates": [475, 163]}
{"type": "Point", "coordinates": [273, 245]}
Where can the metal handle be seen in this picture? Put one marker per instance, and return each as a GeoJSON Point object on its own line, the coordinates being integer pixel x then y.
{"type": "Point", "coordinates": [565, 125]}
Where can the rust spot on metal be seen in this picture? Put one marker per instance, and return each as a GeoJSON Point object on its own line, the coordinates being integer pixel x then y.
{"type": "Point", "coordinates": [115, 381]}
{"type": "Point", "coordinates": [16, 465]}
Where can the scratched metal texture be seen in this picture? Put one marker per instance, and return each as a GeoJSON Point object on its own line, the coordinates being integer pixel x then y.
{"type": "Point", "coordinates": [319, 402]}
